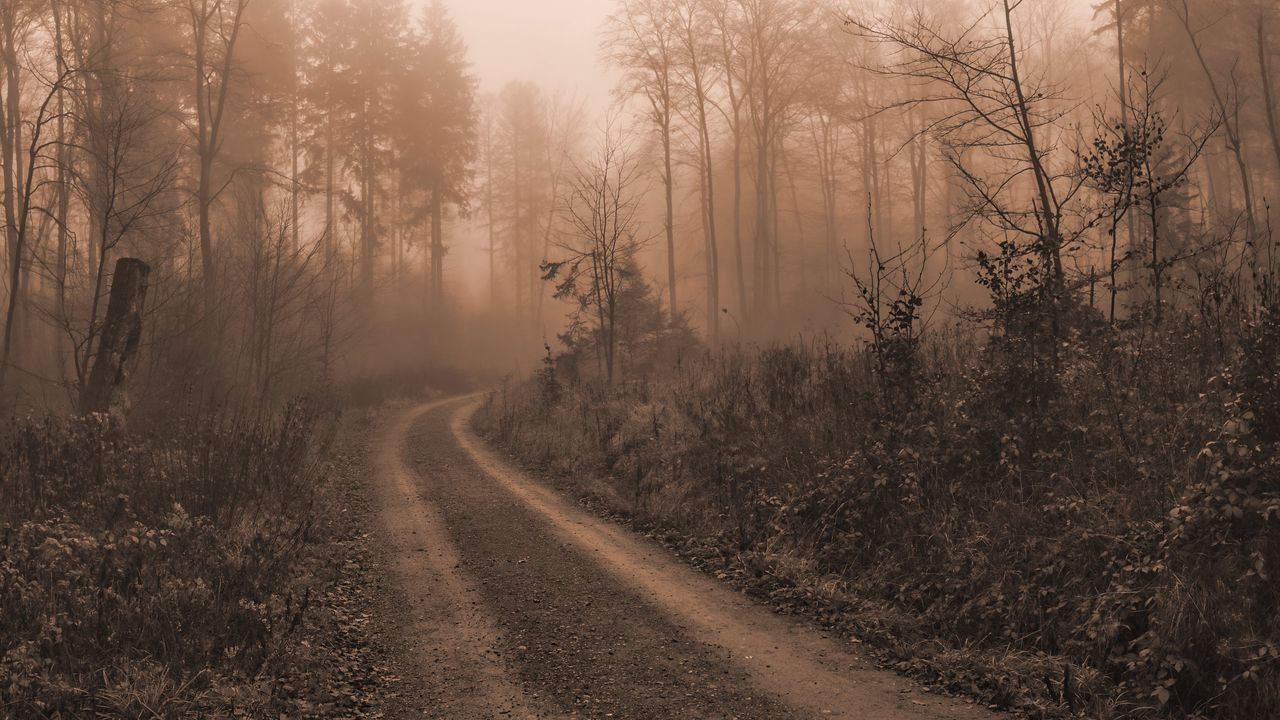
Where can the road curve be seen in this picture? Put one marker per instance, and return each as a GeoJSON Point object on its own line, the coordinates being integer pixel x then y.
{"type": "Point", "coordinates": [525, 606]}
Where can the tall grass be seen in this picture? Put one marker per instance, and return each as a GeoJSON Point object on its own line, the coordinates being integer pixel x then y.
{"type": "Point", "coordinates": [1102, 540]}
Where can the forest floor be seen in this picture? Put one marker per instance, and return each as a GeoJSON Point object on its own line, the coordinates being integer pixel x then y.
{"type": "Point", "coordinates": [494, 596]}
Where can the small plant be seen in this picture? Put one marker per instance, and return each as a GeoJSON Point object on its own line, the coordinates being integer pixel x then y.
{"type": "Point", "coordinates": [890, 295]}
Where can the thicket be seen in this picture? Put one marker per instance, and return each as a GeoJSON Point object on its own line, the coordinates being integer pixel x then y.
{"type": "Point", "coordinates": [157, 571]}
{"type": "Point", "coordinates": [1067, 516]}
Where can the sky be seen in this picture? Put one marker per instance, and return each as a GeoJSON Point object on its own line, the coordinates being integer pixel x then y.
{"type": "Point", "coordinates": [552, 42]}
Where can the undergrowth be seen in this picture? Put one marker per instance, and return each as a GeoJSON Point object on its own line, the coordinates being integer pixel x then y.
{"type": "Point", "coordinates": [1093, 533]}
{"type": "Point", "coordinates": [159, 572]}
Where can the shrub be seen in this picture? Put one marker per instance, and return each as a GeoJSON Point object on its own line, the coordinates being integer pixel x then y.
{"type": "Point", "coordinates": [161, 572]}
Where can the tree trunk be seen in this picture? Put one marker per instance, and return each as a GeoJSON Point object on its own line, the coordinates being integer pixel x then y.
{"type": "Point", "coordinates": [737, 218]}
{"type": "Point", "coordinates": [1267, 92]}
{"type": "Point", "coordinates": [437, 250]}
{"type": "Point", "coordinates": [121, 335]}
{"type": "Point", "coordinates": [669, 181]}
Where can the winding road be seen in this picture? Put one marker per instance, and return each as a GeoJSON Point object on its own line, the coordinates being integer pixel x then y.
{"type": "Point", "coordinates": [514, 603]}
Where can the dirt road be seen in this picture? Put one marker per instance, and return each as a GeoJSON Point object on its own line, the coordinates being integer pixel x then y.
{"type": "Point", "coordinates": [517, 604]}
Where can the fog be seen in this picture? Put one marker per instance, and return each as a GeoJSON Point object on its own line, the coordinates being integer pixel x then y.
{"type": "Point", "coordinates": [349, 185]}
{"type": "Point", "coordinates": [517, 358]}
{"type": "Point", "coordinates": [557, 41]}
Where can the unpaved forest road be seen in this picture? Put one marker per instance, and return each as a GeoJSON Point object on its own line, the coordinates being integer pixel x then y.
{"type": "Point", "coordinates": [517, 604]}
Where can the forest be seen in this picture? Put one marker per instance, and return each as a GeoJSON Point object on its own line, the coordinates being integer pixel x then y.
{"type": "Point", "coordinates": [951, 325]}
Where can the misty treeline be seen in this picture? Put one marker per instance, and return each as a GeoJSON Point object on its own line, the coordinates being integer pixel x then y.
{"type": "Point", "coordinates": [990, 292]}
{"type": "Point", "coordinates": [1123, 161]}
{"type": "Point", "coordinates": [282, 166]}
{"type": "Point", "coordinates": [292, 170]}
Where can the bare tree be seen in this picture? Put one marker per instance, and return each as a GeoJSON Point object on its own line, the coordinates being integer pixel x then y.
{"type": "Point", "coordinates": [215, 27]}
{"type": "Point", "coordinates": [127, 185]}
{"type": "Point", "coordinates": [776, 36]}
{"type": "Point", "coordinates": [38, 157]}
{"type": "Point", "coordinates": [1263, 45]}
{"type": "Point", "coordinates": [724, 15]}
{"type": "Point", "coordinates": [643, 41]}
{"type": "Point", "coordinates": [695, 65]}
{"type": "Point", "coordinates": [600, 245]}
{"type": "Point", "coordinates": [1228, 106]}
{"type": "Point", "coordinates": [986, 102]}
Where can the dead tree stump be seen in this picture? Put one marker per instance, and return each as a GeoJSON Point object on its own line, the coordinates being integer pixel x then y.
{"type": "Point", "coordinates": [121, 334]}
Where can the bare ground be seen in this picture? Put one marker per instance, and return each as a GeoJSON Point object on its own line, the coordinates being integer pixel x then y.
{"type": "Point", "coordinates": [507, 601]}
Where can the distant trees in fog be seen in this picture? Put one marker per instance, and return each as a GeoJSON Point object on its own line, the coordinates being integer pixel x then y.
{"type": "Point", "coordinates": [289, 166]}
{"type": "Point", "coordinates": [802, 127]}
{"type": "Point", "coordinates": [271, 159]}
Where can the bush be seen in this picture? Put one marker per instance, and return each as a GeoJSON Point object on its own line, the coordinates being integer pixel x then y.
{"type": "Point", "coordinates": [152, 574]}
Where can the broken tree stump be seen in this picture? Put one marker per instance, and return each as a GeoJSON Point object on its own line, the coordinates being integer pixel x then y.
{"type": "Point", "coordinates": [121, 334]}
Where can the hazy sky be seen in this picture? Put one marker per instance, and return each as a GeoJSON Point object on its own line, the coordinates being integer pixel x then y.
{"type": "Point", "coordinates": [553, 42]}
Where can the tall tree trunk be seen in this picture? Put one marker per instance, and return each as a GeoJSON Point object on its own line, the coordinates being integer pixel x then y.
{"type": "Point", "coordinates": [743, 308]}
{"type": "Point", "coordinates": [367, 241]}
{"type": "Point", "coordinates": [775, 232]}
{"type": "Point", "coordinates": [10, 158]}
{"type": "Point", "coordinates": [1268, 96]}
{"type": "Point", "coordinates": [330, 189]}
{"type": "Point", "coordinates": [8, 161]}
{"type": "Point", "coordinates": [796, 212]}
{"type": "Point", "coordinates": [64, 196]}
{"type": "Point", "coordinates": [294, 188]}
{"type": "Point", "coordinates": [437, 249]}
{"type": "Point", "coordinates": [829, 145]}
{"type": "Point", "coordinates": [522, 294]}
{"type": "Point", "coordinates": [488, 155]}
{"type": "Point", "coordinates": [1122, 86]}
{"type": "Point", "coordinates": [669, 181]}
{"type": "Point", "coordinates": [870, 181]}
{"type": "Point", "coordinates": [121, 335]}
{"type": "Point", "coordinates": [763, 245]}
{"type": "Point", "coordinates": [1048, 209]}
{"type": "Point", "coordinates": [709, 212]}
{"type": "Point", "coordinates": [1230, 122]}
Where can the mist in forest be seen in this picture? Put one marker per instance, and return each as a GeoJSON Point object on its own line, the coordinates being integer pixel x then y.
{"type": "Point", "coordinates": [320, 189]}
{"type": "Point", "coordinates": [950, 328]}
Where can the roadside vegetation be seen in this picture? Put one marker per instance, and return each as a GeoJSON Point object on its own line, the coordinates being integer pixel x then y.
{"type": "Point", "coordinates": [199, 565]}
{"type": "Point", "coordinates": [1092, 531]}
{"type": "Point", "coordinates": [160, 572]}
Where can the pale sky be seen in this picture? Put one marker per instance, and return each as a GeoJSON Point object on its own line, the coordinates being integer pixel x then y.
{"type": "Point", "coordinates": [552, 42]}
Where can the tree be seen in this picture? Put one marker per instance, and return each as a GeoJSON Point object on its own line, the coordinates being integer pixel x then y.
{"type": "Point", "coordinates": [377, 50]}
{"type": "Point", "coordinates": [522, 187]}
{"type": "Point", "coordinates": [1229, 106]}
{"type": "Point", "coordinates": [437, 123]}
{"type": "Point", "coordinates": [37, 156]}
{"type": "Point", "coordinates": [723, 18]}
{"type": "Point", "coordinates": [214, 27]}
{"type": "Point", "coordinates": [600, 247]}
{"type": "Point", "coordinates": [695, 62]}
{"type": "Point", "coordinates": [643, 42]}
{"type": "Point", "coordinates": [987, 103]}
{"type": "Point", "coordinates": [326, 92]}
{"type": "Point", "coordinates": [776, 34]}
